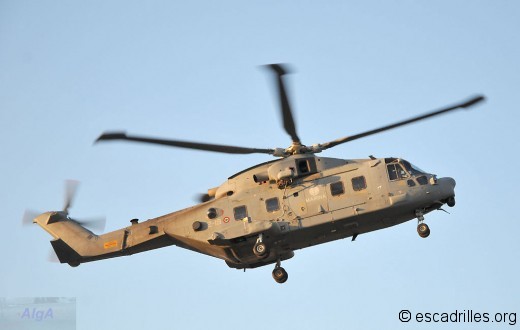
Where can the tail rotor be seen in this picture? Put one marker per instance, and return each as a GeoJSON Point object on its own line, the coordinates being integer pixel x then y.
{"type": "Point", "coordinates": [96, 224]}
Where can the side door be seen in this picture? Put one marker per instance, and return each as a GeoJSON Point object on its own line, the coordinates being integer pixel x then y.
{"type": "Point", "coordinates": [306, 203]}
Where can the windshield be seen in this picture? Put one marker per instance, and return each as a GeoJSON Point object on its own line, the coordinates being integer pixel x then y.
{"type": "Point", "coordinates": [412, 169]}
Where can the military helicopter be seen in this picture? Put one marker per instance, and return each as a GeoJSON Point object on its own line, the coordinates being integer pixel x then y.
{"type": "Point", "coordinates": [262, 214]}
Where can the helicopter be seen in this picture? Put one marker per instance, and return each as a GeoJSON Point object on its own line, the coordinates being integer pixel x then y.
{"type": "Point", "coordinates": [261, 215]}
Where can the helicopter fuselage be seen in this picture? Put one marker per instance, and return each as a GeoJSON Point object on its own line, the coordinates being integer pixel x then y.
{"type": "Point", "coordinates": [288, 204]}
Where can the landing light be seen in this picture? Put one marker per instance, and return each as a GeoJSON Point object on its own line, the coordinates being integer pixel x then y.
{"type": "Point", "coordinates": [433, 180]}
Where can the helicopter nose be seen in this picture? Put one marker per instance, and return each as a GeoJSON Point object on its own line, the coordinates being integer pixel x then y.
{"type": "Point", "coordinates": [447, 186]}
{"type": "Point", "coordinates": [450, 182]}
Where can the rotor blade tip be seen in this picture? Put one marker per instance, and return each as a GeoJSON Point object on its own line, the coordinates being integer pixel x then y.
{"type": "Point", "coordinates": [279, 68]}
{"type": "Point", "coordinates": [111, 136]}
{"type": "Point", "coordinates": [473, 101]}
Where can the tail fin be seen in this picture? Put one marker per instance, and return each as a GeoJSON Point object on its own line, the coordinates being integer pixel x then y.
{"type": "Point", "coordinates": [75, 244]}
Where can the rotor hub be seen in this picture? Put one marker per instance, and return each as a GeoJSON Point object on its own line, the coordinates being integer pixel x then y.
{"type": "Point", "coordinates": [296, 148]}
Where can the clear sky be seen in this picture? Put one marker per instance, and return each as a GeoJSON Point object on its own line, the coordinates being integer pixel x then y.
{"type": "Point", "coordinates": [70, 70]}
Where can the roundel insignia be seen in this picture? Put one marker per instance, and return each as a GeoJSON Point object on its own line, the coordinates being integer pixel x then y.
{"type": "Point", "coordinates": [314, 191]}
{"type": "Point", "coordinates": [226, 219]}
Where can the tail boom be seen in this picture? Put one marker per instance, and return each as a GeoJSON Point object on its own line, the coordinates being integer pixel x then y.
{"type": "Point", "coordinates": [75, 244]}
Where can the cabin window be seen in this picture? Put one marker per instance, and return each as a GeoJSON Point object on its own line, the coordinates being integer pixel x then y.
{"type": "Point", "coordinates": [240, 212]}
{"type": "Point", "coordinates": [337, 188]}
{"type": "Point", "coordinates": [272, 204]}
{"type": "Point", "coordinates": [359, 183]}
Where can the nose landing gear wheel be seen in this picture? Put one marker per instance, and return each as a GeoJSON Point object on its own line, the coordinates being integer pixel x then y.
{"type": "Point", "coordinates": [260, 250]}
{"type": "Point", "coordinates": [280, 275]}
{"type": "Point", "coordinates": [423, 230]}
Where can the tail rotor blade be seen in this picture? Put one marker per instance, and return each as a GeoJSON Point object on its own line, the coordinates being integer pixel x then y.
{"type": "Point", "coordinates": [28, 217]}
{"type": "Point", "coordinates": [71, 187]}
{"type": "Point", "coordinates": [95, 224]}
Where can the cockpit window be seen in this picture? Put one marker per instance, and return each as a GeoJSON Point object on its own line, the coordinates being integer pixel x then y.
{"type": "Point", "coordinates": [414, 170]}
{"type": "Point", "coordinates": [392, 172]}
{"type": "Point", "coordinates": [422, 180]}
{"type": "Point", "coordinates": [401, 173]}
{"type": "Point", "coordinates": [396, 172]}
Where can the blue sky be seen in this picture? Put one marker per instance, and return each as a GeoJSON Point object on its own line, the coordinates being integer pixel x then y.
{"type": "Point", "coordinates": [70, 70]}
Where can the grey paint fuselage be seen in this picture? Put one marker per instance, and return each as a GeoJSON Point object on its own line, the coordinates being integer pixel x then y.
{"type": "Point", "coordinates": [307, 213]}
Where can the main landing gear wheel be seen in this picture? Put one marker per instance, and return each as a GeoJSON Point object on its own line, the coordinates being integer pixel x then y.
{"type": "Point", "coordinates": [280, 275]}
{"type": "Point", "coordinates": [260, 250]}
{"type": "Point", "coordinates": [423, 230]}
{"type": "Point", "coordinates": [451, 201]}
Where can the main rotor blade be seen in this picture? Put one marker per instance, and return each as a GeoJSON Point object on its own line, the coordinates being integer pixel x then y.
{"type": "Point", "coordinates": [469, 103]}
{"type": "Point", "coordinates": [288, 120]}
{"type": "Point", "coordinates": [185, 144]}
